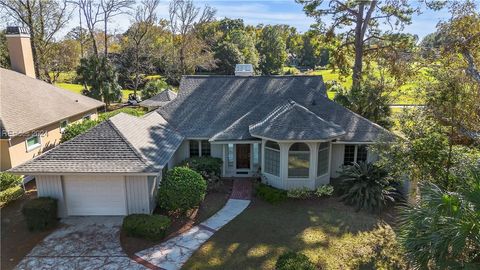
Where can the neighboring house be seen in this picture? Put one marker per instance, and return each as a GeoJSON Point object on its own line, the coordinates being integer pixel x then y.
{"type": "Point", "coordinates": [159, 100]}
{"type": "Point", "coordinates": [33, 113]}
{"type": "Point", "coordinates": [282, 127]}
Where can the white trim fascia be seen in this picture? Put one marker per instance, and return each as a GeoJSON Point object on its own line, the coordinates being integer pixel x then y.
{"type": "Point", "coordinates": [340, 142]}
{"type": "Point", "coordinates": [235, 142]}
{"type": "Point", "coordinates": [295, 141]}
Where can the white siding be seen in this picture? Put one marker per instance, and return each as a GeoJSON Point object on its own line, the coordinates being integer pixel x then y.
{"type": "Point", "coordinates": [181, 154]}
{"type": "Point", "coordinates": [138, 195]}
{"type": "Point", "coordinates": [51, 186]}
{"type": "Point", "coordinates": [216, 150]}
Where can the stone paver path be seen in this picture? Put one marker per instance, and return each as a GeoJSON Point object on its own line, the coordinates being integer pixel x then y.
{"type": "Point", "coordinates": [173, 253]}
{"type": "Point", "coordinates": [81, 243]}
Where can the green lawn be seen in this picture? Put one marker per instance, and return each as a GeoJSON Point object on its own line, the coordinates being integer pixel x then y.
{"type": "Point", "coordinates": [77, 88]}
{"type": "Point", "coordinates": [332, 235]}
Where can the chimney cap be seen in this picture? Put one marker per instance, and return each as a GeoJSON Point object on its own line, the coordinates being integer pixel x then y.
{"type": "Point", "coordinates": [17, 30]}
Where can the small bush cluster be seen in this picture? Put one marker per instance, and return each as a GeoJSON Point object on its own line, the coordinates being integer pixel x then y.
{"type": "Point", "coordinates": [299, 193]}
{"type": "Point", "coordinates": [305, 193]}
{"type": "Point", "coordinates": [10, 187]}
{"type": "Point", "coordinates": [209, 167]}
{"type": "Point", "coordinates": [152, 227]}
{"type": "Point", "coordinates": [40, 213]}
{"type": "Point", "coordinates": [324, 190]}
{"type": "Point", "coordinates": [181, 190]}
{"type": "Point", "coordinates": [11, 194]}
{"type": "Point", "coordinates": [8, 180]}
{"type": "Point", "coordinates": [270, 194]}
{"type": "Point", "coordinates": [294, 261]}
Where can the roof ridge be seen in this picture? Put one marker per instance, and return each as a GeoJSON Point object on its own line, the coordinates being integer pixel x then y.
{"type": "Point", "coordinates": [137, 153]}
{"type": "Point", "coordinates": [250, 77]}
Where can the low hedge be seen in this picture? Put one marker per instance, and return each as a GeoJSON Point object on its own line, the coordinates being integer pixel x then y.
{"type": "Point", "coordinates": [11, 194]}
{"type": "Point", "coordinates": [294, 261]}
{"type": "Point", "coordinates": [270, 194]}
{"type": "Point", "coordinates": [152, 227]}
{"type": "Point", "coordinates": [8, 180]}
{"type": "Point", "coordinates": [40, 213]}
{"type": "Point", "coordinates": [181, 189]}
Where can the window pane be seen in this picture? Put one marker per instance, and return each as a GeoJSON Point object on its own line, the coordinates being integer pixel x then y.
{"type": "Point", "coordinates": [298, 160]}
{"type": "Point", "coordinates": [322, 166]}
{"type": "Point", "coordinates": [194, 151]}
{"type": "Point", "coordinates": [230, 155]}
{"type": "Point", "coordinates": [205, 148]}
{"type": "Point", "coordinates": [349, 155]}
{"type": "Point", "coordinates": [272, 162]}
{"type": "Point", "coordinates": [256, 158]}
{"type": "Point", "coordinates": [272, 145]}
{"type": "Point", "coordinates": [33, 141]}
{"type": "Point", "coordinates": [362, 153]}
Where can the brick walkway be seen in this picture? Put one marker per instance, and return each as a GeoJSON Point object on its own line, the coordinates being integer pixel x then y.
{"type": "Point", "coordinates": [242, 189]}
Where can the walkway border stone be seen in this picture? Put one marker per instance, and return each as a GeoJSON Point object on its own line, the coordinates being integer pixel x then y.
{"type": "Point", "coordinates": [173, 253]}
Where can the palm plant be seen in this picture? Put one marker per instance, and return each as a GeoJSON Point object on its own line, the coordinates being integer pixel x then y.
{"type": "Point", "coordinates": [366, 186]}
{"type": "Point", "coordinates": [442, 231]}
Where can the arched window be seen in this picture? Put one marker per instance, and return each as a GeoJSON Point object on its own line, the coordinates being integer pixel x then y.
{"type": "Point", "coordinates": [272, 158]}
{"type": "Point", "coordinates": [323, 158]}
{"type": "Point", "coordinates": [298, 160]}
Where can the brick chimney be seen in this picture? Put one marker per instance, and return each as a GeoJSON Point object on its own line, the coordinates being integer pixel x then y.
{"type": "Point", "coordinates": [20, 50]}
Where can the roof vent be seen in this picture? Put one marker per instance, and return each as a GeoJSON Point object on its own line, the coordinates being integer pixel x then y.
{"type": "Point", "coordinates": [244, 70]}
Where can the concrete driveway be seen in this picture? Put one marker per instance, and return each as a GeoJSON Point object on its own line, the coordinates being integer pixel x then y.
{"type": "Point", "coordinates": [81, 243]}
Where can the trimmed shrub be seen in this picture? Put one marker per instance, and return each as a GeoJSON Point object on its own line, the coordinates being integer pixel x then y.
{"type": "Point", "coordinates": [204, 165]}
{"type": "Point", "coordinates": [11, 194]}
{"type": "Point", "coordinates": [270, 194]}
{"type": "Point", "coordinates": [8, 180]}
{"type": "Point", "coordinates": [76, 129]}
{"type": "Point", "coordinates": [299, 193]}
{"type": "Point", "coordinates": [209, 167]}
{"type": "Point", "coordinates": [181, 190]}
{"type": "Point", "coordinates": [40, 213]}
{"type": "Point", "coordinates": [152, 227]}
{"type": "Point", "coordinates": [294, 261]}
{"type": "Point", "coordinates": [324, 190]}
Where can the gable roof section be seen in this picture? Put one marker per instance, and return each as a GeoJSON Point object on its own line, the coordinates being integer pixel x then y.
{"type": "Point", "coordinates": [160, 99]}
{"type": "Point", "coordinates": [27, 103]}
{"type": "Point", "coordinates": [150, 136]}
{"type": "Point", "coordinates": [222, 108]}
{"type": "Point", "coordinates": [123, 144]}
{"type": "Point", "coordinates": [291, 121]}
{"type": "Point", "coordinates": [101, 149]}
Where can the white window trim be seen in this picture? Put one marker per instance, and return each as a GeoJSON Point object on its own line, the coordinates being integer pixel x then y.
{"type": "Point", "coordinates": [199, 148]}
{"type": "Point", "coordinates": [35, 146]}
{"type": "Point", "coordinates": [309, 152]}
{"type": "Point", "coordinates": [355, 155]}
{"type": "Point", "coordinates": [328, 160]}
{"type": "Point", "coordinates": [62, 130]}
{"type": "Point", "coordinates": [280, 158]}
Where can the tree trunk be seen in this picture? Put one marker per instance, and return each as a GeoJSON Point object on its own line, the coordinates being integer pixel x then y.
{"type": "Point", "coordinates": [105, 36]}
{"type": "Point", "coordinates": [358, 64]}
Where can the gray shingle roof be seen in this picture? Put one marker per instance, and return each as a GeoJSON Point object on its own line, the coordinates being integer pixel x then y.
{"type": "Point", "coordinates": [291, 121]}
{"type": "Point", "coordinates": [123, 144]}
{"type": "Point", "coordinates": [160, 99]}
{"type": "Point", "coordinates": [222, 108]}
{"type": "Point", "coordinates": [27, 103]}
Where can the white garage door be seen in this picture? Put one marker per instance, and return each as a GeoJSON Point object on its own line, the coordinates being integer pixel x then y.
{"type": "Point", "coordinates": [95, 195]}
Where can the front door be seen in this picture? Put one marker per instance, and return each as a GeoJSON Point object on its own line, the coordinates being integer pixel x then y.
{"type": "Point", "coordinates": [243, 156]}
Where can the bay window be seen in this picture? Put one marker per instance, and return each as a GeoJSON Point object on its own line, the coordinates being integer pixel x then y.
{"type": "Point", "coordinates": [298, 161]}
{"type": "Point", "coordinates": [272, 158]}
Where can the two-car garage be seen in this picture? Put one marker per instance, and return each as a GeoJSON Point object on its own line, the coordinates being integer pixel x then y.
{"type": "Point", "coordinates": [105, 195]}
